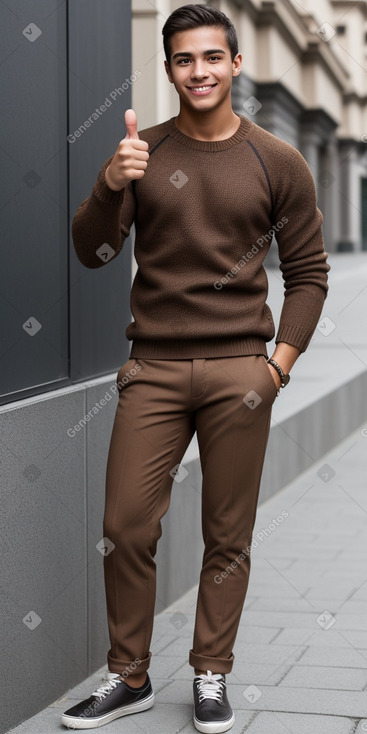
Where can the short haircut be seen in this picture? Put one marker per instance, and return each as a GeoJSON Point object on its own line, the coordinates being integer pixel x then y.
{"type": "Point", "coordinates": [194, 16]}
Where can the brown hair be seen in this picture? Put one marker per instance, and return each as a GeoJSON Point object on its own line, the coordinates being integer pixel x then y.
{"type": "Point", "coordinates": [194, 16]}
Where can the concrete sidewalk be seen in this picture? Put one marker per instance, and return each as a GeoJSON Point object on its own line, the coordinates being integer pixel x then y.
{"type": "Point", "coordinates": [301, 650]}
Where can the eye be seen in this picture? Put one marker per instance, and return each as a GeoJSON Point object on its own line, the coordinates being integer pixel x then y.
{"type": "Point", "coordinates": [210, 58]}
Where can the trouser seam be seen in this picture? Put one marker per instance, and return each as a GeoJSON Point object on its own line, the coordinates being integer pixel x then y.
{"type": "Point", "coordinates": [159, 519]}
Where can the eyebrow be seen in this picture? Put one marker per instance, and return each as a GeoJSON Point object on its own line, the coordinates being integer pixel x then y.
{"type": "Point", "coordinates": [205, 53]}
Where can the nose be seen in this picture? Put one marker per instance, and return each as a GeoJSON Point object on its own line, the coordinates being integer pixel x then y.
{"type": "Point", "coordinates": [198, 70]}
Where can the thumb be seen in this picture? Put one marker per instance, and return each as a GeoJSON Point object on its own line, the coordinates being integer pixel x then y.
{"type": "Point", "coordinates": [131, 124]}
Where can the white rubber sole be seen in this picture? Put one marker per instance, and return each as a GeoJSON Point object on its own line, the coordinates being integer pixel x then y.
{"type": "Point", "coordinates": [213, 727]}
{"type": "Point", "coordinates": [72, 722]}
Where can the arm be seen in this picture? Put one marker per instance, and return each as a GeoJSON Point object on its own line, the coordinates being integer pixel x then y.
{"type": "Point", "coordinates": [103, 220]}
{"type": "Point", "coordinates": [302, 258]}
{"type": "Point", "coordinates": [104, 217]}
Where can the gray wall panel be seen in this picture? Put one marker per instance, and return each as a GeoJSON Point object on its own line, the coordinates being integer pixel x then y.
{"type": "Point", "coordinates": [61, 61]}
{"type": "Point", "coordinates": [34, 257]}
{"type": "Point", "coordinates": [43, 555]}
{"type": "Point", "coordinates": [99, 63]}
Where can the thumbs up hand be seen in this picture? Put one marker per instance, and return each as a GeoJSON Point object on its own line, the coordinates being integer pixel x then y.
{"type": "Point", "coordinates": [130, 159]}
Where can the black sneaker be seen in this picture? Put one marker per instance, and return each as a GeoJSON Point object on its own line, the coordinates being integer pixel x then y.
{"type": "Point", "coordinates": [213, 714]}
{"type": "Point", "coordinates": [111, 700]}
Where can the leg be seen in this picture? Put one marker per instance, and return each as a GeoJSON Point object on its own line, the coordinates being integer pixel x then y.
{"type": "Point", "coordinates": [150, 435]}
{"type": "Point", "coordinates": [232, 437]}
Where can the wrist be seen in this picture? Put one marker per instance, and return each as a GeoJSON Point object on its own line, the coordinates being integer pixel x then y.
{"type": "Point", "coordinates": [109, 183]}
{"type": "Point", "coordinates": [286, 355]}
{"type": "Point", "coordinates": [275, 376]}
{"type": "Point", "coordinates": [283, 376]}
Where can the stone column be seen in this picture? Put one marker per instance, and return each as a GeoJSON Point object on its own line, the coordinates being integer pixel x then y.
{"type": "Point", "coordinates": [309, 147]}
{"type": "Point", "coordinates": [349, 200]}
{"type": "Point", "coordinates": [329, 187]}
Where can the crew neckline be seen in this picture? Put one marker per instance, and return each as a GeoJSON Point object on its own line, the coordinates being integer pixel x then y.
{"type": "Point", "coordinates": [211, 145]}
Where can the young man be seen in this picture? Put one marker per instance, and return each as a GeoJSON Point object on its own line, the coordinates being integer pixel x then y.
{"type": "Point", "coordinates": [207, 190]}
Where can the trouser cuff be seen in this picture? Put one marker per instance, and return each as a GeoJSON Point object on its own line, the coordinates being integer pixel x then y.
{"type": "Point", "coordinates": [128, 667]}
{"type": "Point", "coordinates": [216, 665]}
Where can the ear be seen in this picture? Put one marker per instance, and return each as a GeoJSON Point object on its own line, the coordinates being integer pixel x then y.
{"type": "Point", "coordinates": [168, 70]}
{"type": "Point", "coordinates": [236, 64]}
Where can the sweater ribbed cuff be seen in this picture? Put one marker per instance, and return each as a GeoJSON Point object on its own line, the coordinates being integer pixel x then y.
{"type": "Point", "coordinates": [103, 192]}
{"type": "Point", "coordinates": [294, 335]}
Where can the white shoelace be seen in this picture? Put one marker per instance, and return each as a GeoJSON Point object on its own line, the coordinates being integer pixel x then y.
{"type": "Point", "coordinates": [109, 676]}
{"type": "Point", "coordinates": [106, 688]}
{"type": "Point", "coordinates": [210, 685]}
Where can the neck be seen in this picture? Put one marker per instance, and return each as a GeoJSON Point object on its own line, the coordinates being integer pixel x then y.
{"type": "Point", "coordinates": [216, 124]}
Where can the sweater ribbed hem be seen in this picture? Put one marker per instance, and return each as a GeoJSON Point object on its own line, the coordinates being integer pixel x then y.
{"type": "Point", "coordinates": [197, 348]}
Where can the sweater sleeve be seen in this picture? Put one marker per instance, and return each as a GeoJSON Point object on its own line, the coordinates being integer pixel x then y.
{"type": "Point", "coordinates": [104, 218]}
{"type": "Point", "coordinates": [301, 250]}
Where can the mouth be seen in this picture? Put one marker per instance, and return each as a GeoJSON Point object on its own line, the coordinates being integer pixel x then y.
{"type": "Point", "coordinates": [202, 90]}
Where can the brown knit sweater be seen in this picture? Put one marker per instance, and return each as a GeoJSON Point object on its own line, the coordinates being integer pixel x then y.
{"type": "Point", "coordinates": [205, 214]}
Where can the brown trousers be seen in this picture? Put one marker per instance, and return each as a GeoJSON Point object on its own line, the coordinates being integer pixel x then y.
{"type": "Point", "coordinates": [228, 401]}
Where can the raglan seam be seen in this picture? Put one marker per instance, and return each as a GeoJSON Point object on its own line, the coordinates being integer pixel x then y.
{"type": "Point", "coordinates": [152, 150]}
{"type": "Point", "coordinates": [254, 148]}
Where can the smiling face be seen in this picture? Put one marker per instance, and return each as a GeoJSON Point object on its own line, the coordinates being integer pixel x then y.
{"type": "Point", "coordinates": [201, 67]}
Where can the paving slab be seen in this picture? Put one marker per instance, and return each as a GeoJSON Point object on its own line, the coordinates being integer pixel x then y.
{"type": "Point", "coordinates": [324, 677]}
{"type": "Point", "coordinates": [280, 723]}
{"type": "Point", "coordinates": [345, 657]}
{"type": "Point", "coordinates": [302, 604]}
